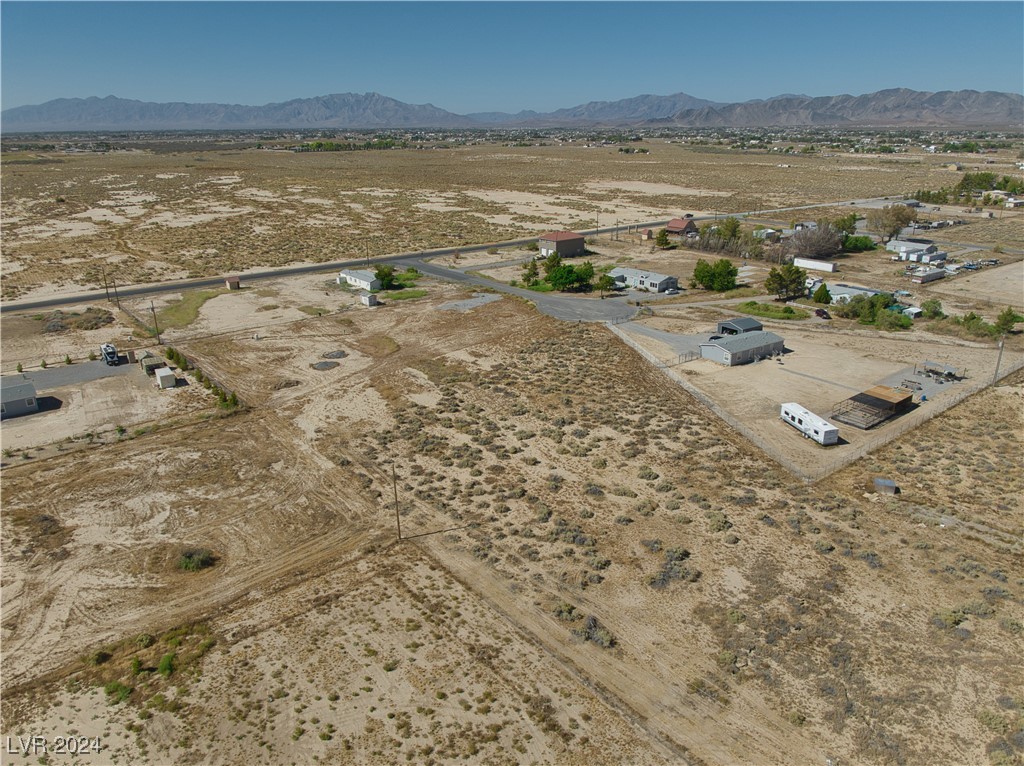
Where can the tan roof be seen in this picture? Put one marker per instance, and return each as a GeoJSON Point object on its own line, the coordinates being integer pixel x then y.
{"type": "Point", "coordinates": [889, 394]}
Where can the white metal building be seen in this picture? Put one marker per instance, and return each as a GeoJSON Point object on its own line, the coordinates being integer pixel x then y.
{"type": "Point", "coordinates": [745, 347]}
{"type": "Point", "coordinates": [361, 278]}
{"type": "Point", "coordinates": [813, 265]}
{"type": "Point", "coordinates": [809, 424]}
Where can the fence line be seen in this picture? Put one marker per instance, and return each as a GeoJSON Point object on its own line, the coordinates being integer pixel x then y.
{"type": "Point", "coordinates": [904, 424]}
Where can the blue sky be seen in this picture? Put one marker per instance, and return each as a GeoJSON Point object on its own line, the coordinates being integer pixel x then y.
{"type": "Point", "coordinates": [492, 56]}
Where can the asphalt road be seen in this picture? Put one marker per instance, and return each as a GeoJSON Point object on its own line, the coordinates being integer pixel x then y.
{"type": "Point", "coordinates": [417, 257]}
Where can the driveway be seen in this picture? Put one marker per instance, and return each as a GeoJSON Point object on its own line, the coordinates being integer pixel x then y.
{"type": "Point", "coordinates": [570, 308]}
{"type": "Point", "coordinates": [60, 375]}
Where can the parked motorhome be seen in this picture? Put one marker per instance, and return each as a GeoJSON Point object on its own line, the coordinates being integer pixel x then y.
{"type": "Point", "coordinates": [809, 424]}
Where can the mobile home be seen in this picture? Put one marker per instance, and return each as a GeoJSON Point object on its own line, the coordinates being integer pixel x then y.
{"type": "Point", "coordinates": [809, 424]}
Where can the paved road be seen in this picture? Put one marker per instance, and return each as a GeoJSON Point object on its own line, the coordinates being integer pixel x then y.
{"type": "Point", "coordinates": [571, 308]}
{"type": "Point", "coordinates": [193, 284]}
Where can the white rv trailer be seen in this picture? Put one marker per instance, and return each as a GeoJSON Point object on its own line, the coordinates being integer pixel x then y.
{"type": "Point", "coordinates": [809, 424]}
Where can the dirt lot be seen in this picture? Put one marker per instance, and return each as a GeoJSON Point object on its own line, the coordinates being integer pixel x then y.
{"type": "Point", "coordinates": [1002, 285]}
{"type": "Point", "coordinates": [603, 582]}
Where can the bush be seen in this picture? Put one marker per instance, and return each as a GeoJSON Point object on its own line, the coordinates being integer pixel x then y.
{"type": "Point", "coordinates": [194, 559]}
{"type": "Point", "coordinates": [166, 666]}
{"type": "Point", "coordinates": [117, 692]}
{"type": "Point", "coordinates": [595, 632]}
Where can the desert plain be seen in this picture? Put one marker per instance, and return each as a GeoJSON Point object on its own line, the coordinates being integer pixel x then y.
{"type": "Point", "coordinates": [482, 534]}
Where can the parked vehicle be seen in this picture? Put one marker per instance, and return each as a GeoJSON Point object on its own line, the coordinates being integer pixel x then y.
{"type": "Point", "coordinates": [809, 424]}
{"type": "Point", "coordinates": [108, 352]}
{"type": "Point", "coordinates": [822, 313]}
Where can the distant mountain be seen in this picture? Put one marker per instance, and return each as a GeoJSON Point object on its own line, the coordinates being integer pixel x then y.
{"type": "Point", "coordinates": [898, 107]}
{"type": "Point", "coordinates": [341, 110]}
{"type": "Point", "coordinates": [888, 108]}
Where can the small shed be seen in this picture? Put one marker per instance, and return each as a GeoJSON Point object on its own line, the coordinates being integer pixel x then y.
{"type": "Point", "coordinates": [18, 397]}
{"type": "Point", "coordinates": [368, 299]}
{"type": "Point", "coordinates": [150, 363]}
{"type": "Point", "coordinates": [646, 235]}
{"type": "Point", "coordinates": [738, 326]}
{"type": "Point", "coordinates": [165, 378]}
{"type": "Point", "coordinates": [232, 283]}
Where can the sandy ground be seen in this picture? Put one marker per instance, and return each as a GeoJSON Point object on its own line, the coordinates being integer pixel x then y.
{"type": "Point", "coordinates": [1001, 285]}
{"type": "Point", "coordinates": [594, 569]}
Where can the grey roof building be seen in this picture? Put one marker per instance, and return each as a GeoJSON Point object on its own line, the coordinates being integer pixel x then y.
{"type": "Point", "coordinates": [17, 397]}
{"type": "Point", "coordinates": [742, 348]}
{"type": "Point", "coordinates": [739, 325]}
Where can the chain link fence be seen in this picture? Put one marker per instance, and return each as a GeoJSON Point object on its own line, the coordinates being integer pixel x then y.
{"type": "Point", "coordinates": [825, 467]}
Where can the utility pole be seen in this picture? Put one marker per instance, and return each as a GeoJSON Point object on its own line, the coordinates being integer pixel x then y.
{"type": "Point", "coordinates": [155, 325]}
{"type": "Point", "coordinates": [366, 249]}
{"type": "Point", "coordinates": [105, 288]}
{"type": "Point", "coordinates": [117, 298]}
{"type": "Point", "coordinates": [394, 482]}
{"type": "Point", "coordinates": [999, 359]}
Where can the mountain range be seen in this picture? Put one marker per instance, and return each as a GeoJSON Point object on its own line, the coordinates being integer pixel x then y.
{"type": "Point", "coordinates": [898, 107]}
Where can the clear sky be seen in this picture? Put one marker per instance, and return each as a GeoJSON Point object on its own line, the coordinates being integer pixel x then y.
{"type": "Point", "coordinates": [494, 56]}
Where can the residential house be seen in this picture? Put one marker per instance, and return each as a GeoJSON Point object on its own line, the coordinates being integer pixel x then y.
{"type": "Point", "coordinates": [361, 278]}
{"type": "Point", "coordinates": [17, 397]}
{"type": "Point", "coordinates": [678, 228]}
{"type": "Point", "coordinates": [644, 280]}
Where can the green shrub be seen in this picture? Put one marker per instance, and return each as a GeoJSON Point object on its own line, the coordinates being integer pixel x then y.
{"type": "Point", "coordinates": [166, 666]}
{"type": "Point", "coordinates": [194, 559]}
{"type": "Point", "coordinates": [117, 692]}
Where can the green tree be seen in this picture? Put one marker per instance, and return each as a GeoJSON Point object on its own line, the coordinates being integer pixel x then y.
{"type": "Point", "coordinates": [892, 321]}
{"type": "Point", "coordinates": [720, 276]}
{"type": "Point", "coordinates": [386, 274]}
{"type": "Point", "coordinates": [729, 228]}
{"type": "Point", "coordinates": [723, 275]}
{"type": "Point", "coordinates": [584, 275]}
{"type": "Point", "coordinates": [552, 262]}
{"type": "Point", "coordinates": [1006, 320]}
{"type": "Point", "coordinates": [662, 239]}
{"type": "Point", "coordinates": [562, 277]}
{"type": "Point", "coordinates": [605, 283]}
{"type": "Point", "coordinates": [890, 220]}
{"type": "Point", "coordinates": [822, 295]}
{"type": "Point", "coordinates": [932, 309]}
{"type": "Point", "coordinates": [786, 281]}
{"type": "Point", "coordinates": [701, 274]}
{"type": "Point", "coordinates": [531, 273]}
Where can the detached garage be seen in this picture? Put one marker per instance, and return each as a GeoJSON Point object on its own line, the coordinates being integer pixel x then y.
{"type": "Point", "coordinates": [742, 348]}
{"type": "Point", "coordinates": [565, 243]}
{"type": "Point", "coordinates": [739, 326]}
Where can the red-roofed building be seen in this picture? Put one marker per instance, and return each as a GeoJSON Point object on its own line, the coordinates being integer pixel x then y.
{"type": "Point", "coordinates": [565, 243]}
{"type": "Point", "coordinates": [680, 227]}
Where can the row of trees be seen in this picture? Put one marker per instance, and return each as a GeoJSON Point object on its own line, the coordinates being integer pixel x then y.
{"type": "Point", "coordinates": [970, 185]}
